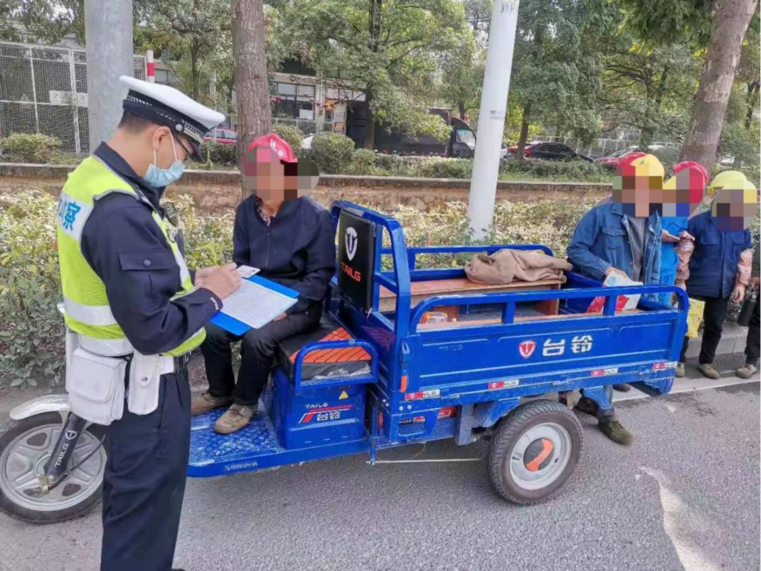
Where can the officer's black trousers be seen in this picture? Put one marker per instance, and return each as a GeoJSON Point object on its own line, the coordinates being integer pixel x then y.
{"type": "Point", "coordinates": [145, 482]}
{"type": "Point", "coordinates": [257, 353]}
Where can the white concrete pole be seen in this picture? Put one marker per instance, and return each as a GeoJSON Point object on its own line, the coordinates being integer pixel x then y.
{"type": "Point", "coordinates": [491, 115]}
{"type": "Point", "coordinates": [108, 35]}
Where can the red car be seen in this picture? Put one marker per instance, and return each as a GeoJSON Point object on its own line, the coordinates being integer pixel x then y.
{"type": "Point", "coordinates": [224, 136]}
{"type": "Point", "coordinates": [616, 157]}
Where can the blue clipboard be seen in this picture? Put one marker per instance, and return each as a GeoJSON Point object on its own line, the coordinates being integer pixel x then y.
{"type": "Point", "coordinates": [236, 327]}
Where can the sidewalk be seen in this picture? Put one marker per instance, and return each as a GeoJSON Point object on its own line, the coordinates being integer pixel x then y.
{"type": "Point", "coordinates": [732, 341]}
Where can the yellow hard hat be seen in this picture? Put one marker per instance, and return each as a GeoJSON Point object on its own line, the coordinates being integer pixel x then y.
{"type": "Point", "coordinates": [728, 179]}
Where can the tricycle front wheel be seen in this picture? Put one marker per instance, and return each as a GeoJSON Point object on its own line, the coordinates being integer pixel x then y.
{"type": "Point", "coordinates": [26, 447]}
{"type": "Point", "coordinates": [534, 451]}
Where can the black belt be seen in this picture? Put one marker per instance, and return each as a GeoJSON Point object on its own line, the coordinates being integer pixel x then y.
{"type": "Point", "coordinates": [181, 363]}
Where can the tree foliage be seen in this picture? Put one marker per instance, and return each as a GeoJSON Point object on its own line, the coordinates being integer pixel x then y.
{"type": "Point", "coordinates": [390, 50]}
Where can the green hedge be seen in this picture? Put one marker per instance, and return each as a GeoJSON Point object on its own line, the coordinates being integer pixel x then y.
{"type": "Point", "coordinates": [332, 152]}
{"type": "Point", "coordinates": [290, 134]}
{"type": "Point", "coordinates": [30, 148]}
{"type": "Point", "coordinates": [216, 155]}
{"type": "Point", "coordinates": [571, 171]}
{"type": "Point", "coordinates": [32, 331]}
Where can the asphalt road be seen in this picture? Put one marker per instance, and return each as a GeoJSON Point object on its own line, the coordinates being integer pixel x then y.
{"type": "Point", "coordinates": [684, 496]}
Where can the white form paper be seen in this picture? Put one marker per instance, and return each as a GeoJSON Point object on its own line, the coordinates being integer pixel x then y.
{"type": "Point", "coordinates": [256, 305]}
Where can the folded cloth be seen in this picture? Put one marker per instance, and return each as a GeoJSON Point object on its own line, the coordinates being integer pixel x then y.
{"type": "Point", "coordinates": [505, 266]}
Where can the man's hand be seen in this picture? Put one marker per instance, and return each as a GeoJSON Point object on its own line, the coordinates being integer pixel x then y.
{"type": "Point", "coordinates": [668, 238]}
{"type": "Point", "coordinates": [738, 294]}
{"type": "Point", "coordinates": [612, 270]}
{"type": "Point", "coordinates": [202, 274]}
{"type": "Point", "coordinates": [684, 235]}
{"type": "Point", "coordinates": [754, 281]}
{"type": "Point", "coordinates": [280, 317]}
{"type": "Point", "coordinates": [222, 281]}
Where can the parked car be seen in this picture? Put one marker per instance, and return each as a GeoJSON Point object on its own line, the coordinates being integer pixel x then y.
{"type": "Point", "coordinates": [224, 136]}
{"type": "Point", "coordinates": [616, 157]}
{"type": "Point", "coordinates": [503, 152]}
{"type": "Point", "coordinates": [550, 152]}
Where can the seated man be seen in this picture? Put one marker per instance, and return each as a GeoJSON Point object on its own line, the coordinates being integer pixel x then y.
{"type": "Point", "coordinates": [622, 236]}
{"type": "Point", "coordinates": [721, 235]}
{"type": "Point", "coordinates": [290, 238]}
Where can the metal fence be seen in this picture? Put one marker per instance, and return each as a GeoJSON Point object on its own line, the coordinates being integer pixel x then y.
{"type": "Point", "coordinates": [44, 90]}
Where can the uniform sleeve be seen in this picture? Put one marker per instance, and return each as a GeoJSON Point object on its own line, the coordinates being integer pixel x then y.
{"type": "Point", "coordinates": [321, 264]}
{"type": "Point", "coordinates": [127, 250]}
{"type": "Point", "coordinates": [241, 244]}
{"type": "Point", "coordinates": [580, 248]}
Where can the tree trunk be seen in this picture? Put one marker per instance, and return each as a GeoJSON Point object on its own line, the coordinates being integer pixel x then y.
{"type": "Point", "coordinates": [654, 107]}
{"type": "Point", "coordinates": [524, 132]}
{"type": "Point", "coordinates": [730, 22]}
{"type": "Point", "coordinates": [194, 71]}
{"type": "Point", "coordinates": [752, 90]}
{"type": "Point", "coordinates": [461, 109]}
{"type": "Point", "coordinates": [251, 83]}
{"type": "Point", "coordinates": [370, 127]}
{"type": "Point", "coordinates": [374, 25]}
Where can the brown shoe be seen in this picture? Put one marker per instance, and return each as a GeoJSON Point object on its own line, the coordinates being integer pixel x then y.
{"type": "Point", "coordinates": [205, 402]}
{"type": "Point", "coordinates": [237, 416]}
{"type": "Point", "coordinates": [616, 432]}
{"type": "Point", "coordinates": [709, 371]}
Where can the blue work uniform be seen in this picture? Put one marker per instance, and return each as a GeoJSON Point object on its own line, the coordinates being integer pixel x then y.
{"type": "Point", "coordinates": [144, 480]}
{"type": "Point", "coordinates": [713, 268]}
{"type": "Point", "coordinates": [674, 225]}
{"type": "Point", "coordinates": [603, 239]}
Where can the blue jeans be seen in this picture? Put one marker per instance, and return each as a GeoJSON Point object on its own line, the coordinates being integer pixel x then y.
{"type": "Point", "coordinates": [668, 277]}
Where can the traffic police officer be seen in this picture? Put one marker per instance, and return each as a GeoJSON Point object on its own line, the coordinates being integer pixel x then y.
{"type": "Point", "coordinates": [128, 292]}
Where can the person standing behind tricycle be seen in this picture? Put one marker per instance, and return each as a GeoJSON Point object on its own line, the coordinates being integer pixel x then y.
{"type": "Point", "coordinates": [624, 237]}
{"type": "Point", "coordinates": [721, 236]}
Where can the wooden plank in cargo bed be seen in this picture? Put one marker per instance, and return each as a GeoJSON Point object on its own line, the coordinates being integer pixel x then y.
{"type": "Point", "coordinates": [422, 290]}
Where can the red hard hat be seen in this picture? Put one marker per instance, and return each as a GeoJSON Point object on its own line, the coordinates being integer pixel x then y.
{"type": "Point", "coordinates": [272, 141]}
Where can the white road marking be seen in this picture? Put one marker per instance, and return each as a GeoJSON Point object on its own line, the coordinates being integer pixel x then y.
{"type": "Point", "coordinates": [679, 522]}
{"type": "Point", "coordinates": [432, 461]}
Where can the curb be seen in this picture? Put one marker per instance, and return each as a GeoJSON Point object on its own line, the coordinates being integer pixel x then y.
{"type": "Point", "coordinates": [732, 341]}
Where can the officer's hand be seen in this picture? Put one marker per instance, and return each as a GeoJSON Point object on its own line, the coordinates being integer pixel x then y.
{"type": "Point", "coordinates": [223, 281]}
{"type": "Point", "coordinates": [203, 273]}
{"type": "Point", "coordinates": [738, 294]}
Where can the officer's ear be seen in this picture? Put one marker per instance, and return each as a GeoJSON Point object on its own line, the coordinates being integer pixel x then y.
{"type": "Point", "coordinates": [158, 135]}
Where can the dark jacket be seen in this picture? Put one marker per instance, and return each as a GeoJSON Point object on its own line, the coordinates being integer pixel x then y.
{"type": "Point", "coordinates": [296, 250]}
{"type": "Point", "coordinates": [601, 240]}
{"type": "Point", "coordinates": [713, 265]}
{"type": "Point", "coordinates": [141, 295]}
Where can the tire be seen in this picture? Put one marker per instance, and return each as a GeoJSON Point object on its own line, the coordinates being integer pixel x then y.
{"type": "Point", "coordinates": [529, 470]}
{"type": "Point", "coordinates": [25, 446]}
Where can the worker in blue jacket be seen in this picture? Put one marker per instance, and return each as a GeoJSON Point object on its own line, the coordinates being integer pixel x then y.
{"type": "Point", "coordinates": [290, 238]}
{"type": "Point", "coordinates": [624, 237]}
{"type": "Point", "coordinates": [721, 235]}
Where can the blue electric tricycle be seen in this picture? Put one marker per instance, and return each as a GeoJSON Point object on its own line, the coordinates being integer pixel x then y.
{"type": "Point", "coordinates": [506, 365]}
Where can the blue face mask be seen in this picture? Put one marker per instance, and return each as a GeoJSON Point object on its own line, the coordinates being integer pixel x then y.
{"type": "Point", "coordinates": [159, 178]}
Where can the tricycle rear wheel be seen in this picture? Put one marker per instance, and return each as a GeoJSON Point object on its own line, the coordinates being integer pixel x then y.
{"type": "Point", "coordinates": [534, 451]}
